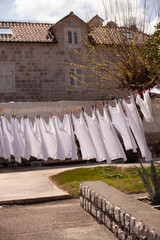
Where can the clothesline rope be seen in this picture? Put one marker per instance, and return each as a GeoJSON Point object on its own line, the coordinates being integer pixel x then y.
{"type": "Point", "coordinates": [133, 95]}
{"type": "Point", "coordinates": [88, 109]}
{"type": "Point", "coordinates": [96, 135]}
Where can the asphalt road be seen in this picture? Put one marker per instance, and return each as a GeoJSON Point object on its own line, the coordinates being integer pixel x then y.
{"type": "Point", "coordinates": [58, 220]}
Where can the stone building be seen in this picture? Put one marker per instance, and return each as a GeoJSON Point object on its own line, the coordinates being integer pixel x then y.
{"type": "Point", "coordinates": [33, 58]}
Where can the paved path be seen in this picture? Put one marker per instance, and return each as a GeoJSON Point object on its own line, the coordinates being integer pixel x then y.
{"type": "Point", "coordinates": [58, 220]}
{"type": "Point", "coordinates": [28, 183]}
{"type": "Point", "coordinates": [33, 183]}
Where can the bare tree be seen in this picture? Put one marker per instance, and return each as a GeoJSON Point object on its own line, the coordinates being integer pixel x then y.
{"type": "Point", "coordinates": [110, 55]}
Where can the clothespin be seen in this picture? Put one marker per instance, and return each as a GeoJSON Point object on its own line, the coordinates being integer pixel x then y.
{"type": "Point", "coordinates": [95, 106]}
{"type": "Point", "coordinates": [117, 99]}
{"type": "Point", "coordinates": [50, 115]}
{"type": "Point", "coordinates": [14, 116]}
{"type": "Point", "coordinates": [144, 89]}
{"type": "Point", "coordinates": [39, 116]}
{"type": "Point", "coordinates": [24, 117]}
{"type": "Point", "coordinates": [82, 109]}
{"type": "Point", "coordinates": [71, 112]}
{"type": "Point", "coordinates": [79, 110]}
{"type": "Point", "coordinates": [103, 104]}
{"type": "Point", "coordinates": [92, 107]}
{"type": "Point", "coordinates": [107, 103]}
{"type": "Point", "coordinates": [136, 92]}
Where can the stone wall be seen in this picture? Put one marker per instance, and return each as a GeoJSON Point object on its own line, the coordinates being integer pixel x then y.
{"type": "Point", "coordinates": [39, 72]}
{"type": "Point", "coordinates": [39, 69]}
{"type": "Point", "coordinates": [153, 142]}
{"type": "Point", "coordinates": [127, 218]}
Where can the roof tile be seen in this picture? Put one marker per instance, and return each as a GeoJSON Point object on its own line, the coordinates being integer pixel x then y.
{"type": "Point", "coordinates": [27, 32]}
{"type": "Point", "coordinates": [108, 35]}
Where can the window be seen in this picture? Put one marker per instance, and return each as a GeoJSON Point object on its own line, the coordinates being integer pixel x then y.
{"type": "Point", "coordinates": [127, 35]}
{"type": "Point", "coordinates": [6, 78]}
{"type": "Point", "coordinates": [71, 77]}
{"type": "Point", "coordinates": [69, 36]}
{"type": "Point", "coordinates": [75, 76]}
{"type": "Point", "coordinates": [72, 37]}
{"type": "Point", "coordinates": [75, 38]}
{"type": "Point", "coordinates": [6, 31]}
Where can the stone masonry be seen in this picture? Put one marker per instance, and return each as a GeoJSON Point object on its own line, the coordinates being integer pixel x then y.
{"type": "Point", "coordinates": [39, 71]}
{"type": "Point", "coordinates": [127, 218]}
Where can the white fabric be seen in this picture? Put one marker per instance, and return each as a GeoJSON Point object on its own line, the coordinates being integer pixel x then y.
{"type": "Point", "coordinates": [120, 122]}
{"type": "Point", "coordinates": [18, 142]}
{"type": "Point", "coordinates": [7, 139]}
{"type": "Point", "coordinates": [84, 138]}
{"type": "Point", "coordinates": [94, 130]}
{"type": "Point", "coordinates": [32, 145]}
{"type": "Point", "coordinates": [145, 106]}
{"type": "Point", "coordinates": [48, 141]}
{"type": "Point", "coordinates": [109, 136]}
{"type": "Point", "coordinates": [155, 90]}
{"type": "Point", "coordinates": [63, 138]}
{"type": "Point", "coordinates": [1, 139]}
{"type": "Point", "coordinates": [69, 129]}
{"type": "Point", "coordinates": [136, 125]}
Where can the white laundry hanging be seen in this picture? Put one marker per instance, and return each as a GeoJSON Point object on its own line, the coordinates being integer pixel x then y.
{"type": "Point", "coordinates": [109, 136]}
{"type": "Point", "coordinates": [64, 142]}
{"type": "Point", "coordinates": [7, 139]}
{"type": "Point", "coordinates": [48, 141]}
{"type": "Point", "coordinates": [1, 139]}
{"type": "Point", "coordinates": [32, 145]}
{"type": "Point", "coordinates": [155, 90]}
{"type": "Point", "coordinates": [82, 133]}
{"type": "Point", "coordinates": [145, 106]}
{"type": "Point", "coordinates": [136, 125]}
{"type": "Point", "coordinates": [94, 130]}
{"type": "Point", "coordinates": [69, 129]}
{"type": "Point", "coordinates": [121, 123]}
{"type": "Point", "coordinates": [38, 136]}
{"type": "Point", "coordinates": [18, 142]}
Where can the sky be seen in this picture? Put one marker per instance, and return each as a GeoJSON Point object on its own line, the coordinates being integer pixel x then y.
{"type": "Point", "coordinates": [52, 11]}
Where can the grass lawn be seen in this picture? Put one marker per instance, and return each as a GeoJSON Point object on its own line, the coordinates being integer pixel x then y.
{"type": "Point", "coordinates": [124, 179]}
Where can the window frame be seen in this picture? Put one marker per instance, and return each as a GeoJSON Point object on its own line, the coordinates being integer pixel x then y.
{"type": "Point", "coordinates": [127, 35]}
{"type": "Point", "coordinates": [6, 33]}
{"type": "Point", "coordinates": [77, 85]}
{"type": "Point", "coordinates": [72, 37]}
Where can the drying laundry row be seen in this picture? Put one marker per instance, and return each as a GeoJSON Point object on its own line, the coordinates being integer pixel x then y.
{"type": "Point", "coordinates": [98, 138]}
{"type": "Point", "coordinates": [96, 135]}
{"type": "Point", "coordinates": [53, 140]}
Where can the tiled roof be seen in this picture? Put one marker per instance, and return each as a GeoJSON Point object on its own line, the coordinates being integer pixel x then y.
{"type": "Point", "coordinates": [41, 32]}
{"type": "Point", "coordinates": [116, 35]}
{"type": "Point", "coordinates": [27, 32]}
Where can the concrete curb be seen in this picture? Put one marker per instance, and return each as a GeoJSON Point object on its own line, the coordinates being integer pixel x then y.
{"type": "Point", "coordinates": [35, 200]}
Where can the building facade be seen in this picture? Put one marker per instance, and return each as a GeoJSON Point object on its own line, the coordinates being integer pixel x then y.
{"type": "Point", "coordinates": [34, 57]}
